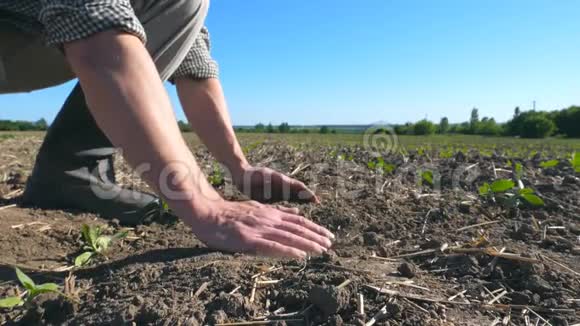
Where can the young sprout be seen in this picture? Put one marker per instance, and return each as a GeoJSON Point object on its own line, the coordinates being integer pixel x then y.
{"type": "Point", "coordinates": [32, 291]}
{"type": "Point", "coordinates": [549, 164]}
{"type": "Point", "coordinates": [506, 191]}
{"type": "Point", "coordinates": [216, 178]}
{"type": "Point", "coordinates": [447, 153]}
{"type": "Point", "coordinates": [380, 165]}
{"type": "Point", "coordinates": [427, 176]}
{"type": "Point", "coordinates": [575, 162]}
{"type": "Point", "coordinates": [519, 171]}
{"type": "Point", "coordinates": [96, 244]}
{"type": "Point", "coordinates": [251, 147]}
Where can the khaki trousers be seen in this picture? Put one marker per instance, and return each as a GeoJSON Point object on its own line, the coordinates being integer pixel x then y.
{"type": "Point", "coordinates": [26, 64]}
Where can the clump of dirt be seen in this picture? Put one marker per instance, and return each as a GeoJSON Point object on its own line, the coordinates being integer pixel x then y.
{"type": "Point", "coordinates": [408, 270]}
{"type": "Point", "coordinates": [329, 299]}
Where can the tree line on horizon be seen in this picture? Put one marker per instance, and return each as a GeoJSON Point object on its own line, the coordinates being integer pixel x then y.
{"type": "Point", "coordinates": [285, 128]}
{"type": "Point", "coordinates": [17, 125]}
{"type": "Point", "coordinates": [528, 124]}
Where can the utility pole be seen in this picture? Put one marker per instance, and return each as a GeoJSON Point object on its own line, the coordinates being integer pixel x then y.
{"type": "Point", "coordinates": [534, 105]}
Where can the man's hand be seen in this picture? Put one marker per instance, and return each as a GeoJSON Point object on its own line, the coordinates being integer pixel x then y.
{"type": "Point", "coordinates": [205, 106]}
{"type": "Point", "coordinates": [266, 185]}
{"type": "Point", "coordinates": [260, 229]}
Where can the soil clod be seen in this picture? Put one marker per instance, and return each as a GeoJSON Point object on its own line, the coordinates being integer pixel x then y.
{"type": "Point", "coordinates": [408, 270]}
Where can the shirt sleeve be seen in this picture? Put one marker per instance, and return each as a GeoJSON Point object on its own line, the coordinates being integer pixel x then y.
{"type": "Point", "coordinates": [70, 20]}
{"type": "Point", "coordinates": [198, 63]}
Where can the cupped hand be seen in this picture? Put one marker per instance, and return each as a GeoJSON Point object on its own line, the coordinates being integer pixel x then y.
{"type": "Point", "coordinates": [267, 185]}
{"type": "Point", "coordinates": [251, 227]}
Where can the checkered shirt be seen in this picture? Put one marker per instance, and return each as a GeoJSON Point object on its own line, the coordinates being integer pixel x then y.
{"type": "Point", "coordinates": [62, 21]}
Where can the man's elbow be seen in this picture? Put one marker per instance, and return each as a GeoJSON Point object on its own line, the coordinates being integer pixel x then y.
{"type": "Point", "coordinates": [108, 49]}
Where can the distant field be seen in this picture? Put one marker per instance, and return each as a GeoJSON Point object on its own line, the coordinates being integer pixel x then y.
{"type": "Point", "coordinates": [358, 139]}
{"type": "Point", "coordinates": [410, 142]}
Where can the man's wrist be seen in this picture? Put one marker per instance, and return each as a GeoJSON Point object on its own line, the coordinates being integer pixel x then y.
{"type": "Point", "coordinates": [239, 168]}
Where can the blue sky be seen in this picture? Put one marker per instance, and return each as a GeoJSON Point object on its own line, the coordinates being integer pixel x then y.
{"type": "Point", "coordinates": [345, 62]}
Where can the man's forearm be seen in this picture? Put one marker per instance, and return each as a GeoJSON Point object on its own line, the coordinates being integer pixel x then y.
{"type": "Point", "coordinates": [127, 99]}
{"type": "Point", "coordinates": [205, 106]}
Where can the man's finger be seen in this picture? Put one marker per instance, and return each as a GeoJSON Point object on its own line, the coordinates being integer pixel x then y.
{"type": "Point", "coordinates": [302, 221]}
{"type": "Point", "coordinates": [264, 247]}
{"type": "Point", "coordinates": [290, 210]}
{"type": "Point", "coordinates": [294, 241]}
{"type": "Point", "coordinates": [300, 192]}
{"type": "Point", "coordinates": [308, 196]}
{"type": "Point", "coordinates": [305, 233]}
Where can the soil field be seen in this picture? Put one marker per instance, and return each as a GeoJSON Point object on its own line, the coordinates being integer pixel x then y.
{"type": "Point", "coordinates": [417, 244]}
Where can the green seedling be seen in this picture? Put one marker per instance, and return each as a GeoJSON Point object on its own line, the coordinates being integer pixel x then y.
{"type": "Point", "coordinates": [497, 187]}
{"type": "Point", "coordinates": [448, 153]}
{"type": "Point", "coordinates": [427, 176]}
{"type": "Point", "coordinates": [518, 171]}
{"type": "Point", "coordinates": [549, 164]}
{"type": "Point", "coordinates": [486, 153]}
{"type": "Point", "coordinates": [505, 191]}
{"type": "Point", "coordinates": [251, 147]}
{"type": "Point", "coordinates": [96, 244]}
{"type": "Point", "coordinates": [157, 210]}
{"type": "Point", "coordinates": [380, 165]}
{"type": "Point", "coordinates": [32, 291]}
{"type": "Point", "coordinates": [216, 177]}
{"type": "Point", "coordinates": [343, 157]}
{"type": "Point", "coordinates": [575, 162]}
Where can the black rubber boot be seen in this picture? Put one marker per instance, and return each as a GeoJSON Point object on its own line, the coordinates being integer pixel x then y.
{"type": "Point", "coordinates": [74, 170]}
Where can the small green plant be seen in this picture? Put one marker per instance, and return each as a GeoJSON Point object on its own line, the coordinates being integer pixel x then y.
{"type": "Point", "coordinates": [32, 290]}
{"type": "Point", "coordinates": [505, 191]}
{"type": "Point", "coordinates": [379, 164]}
{"type": "Point", "coordinates": [251, 147]}
{"type": "Point", "coordinates": [497, 187]}
{"type": "Point", "coordinates": [216, 177]}
{"type": "Point", "coordinates": [447, 153]}
{"type": "Point", "coordinates": [343, 157]}
{"type": "Point", "coordinates": [575, 162]}
{"type": "Point", "coordinates": [96, 244]}
{"type": "Point", "coordinates": [487, 153]}
{"type": "Point", "coordinates": [427, 176]}
{"type": "Point", "coordinates": [549, 164]}
{"type": "Point", "coordinates": [518, 171]}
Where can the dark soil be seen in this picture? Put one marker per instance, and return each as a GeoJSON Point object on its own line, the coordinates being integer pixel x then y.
{"type": "Point", "coordinates": [402, 245]}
